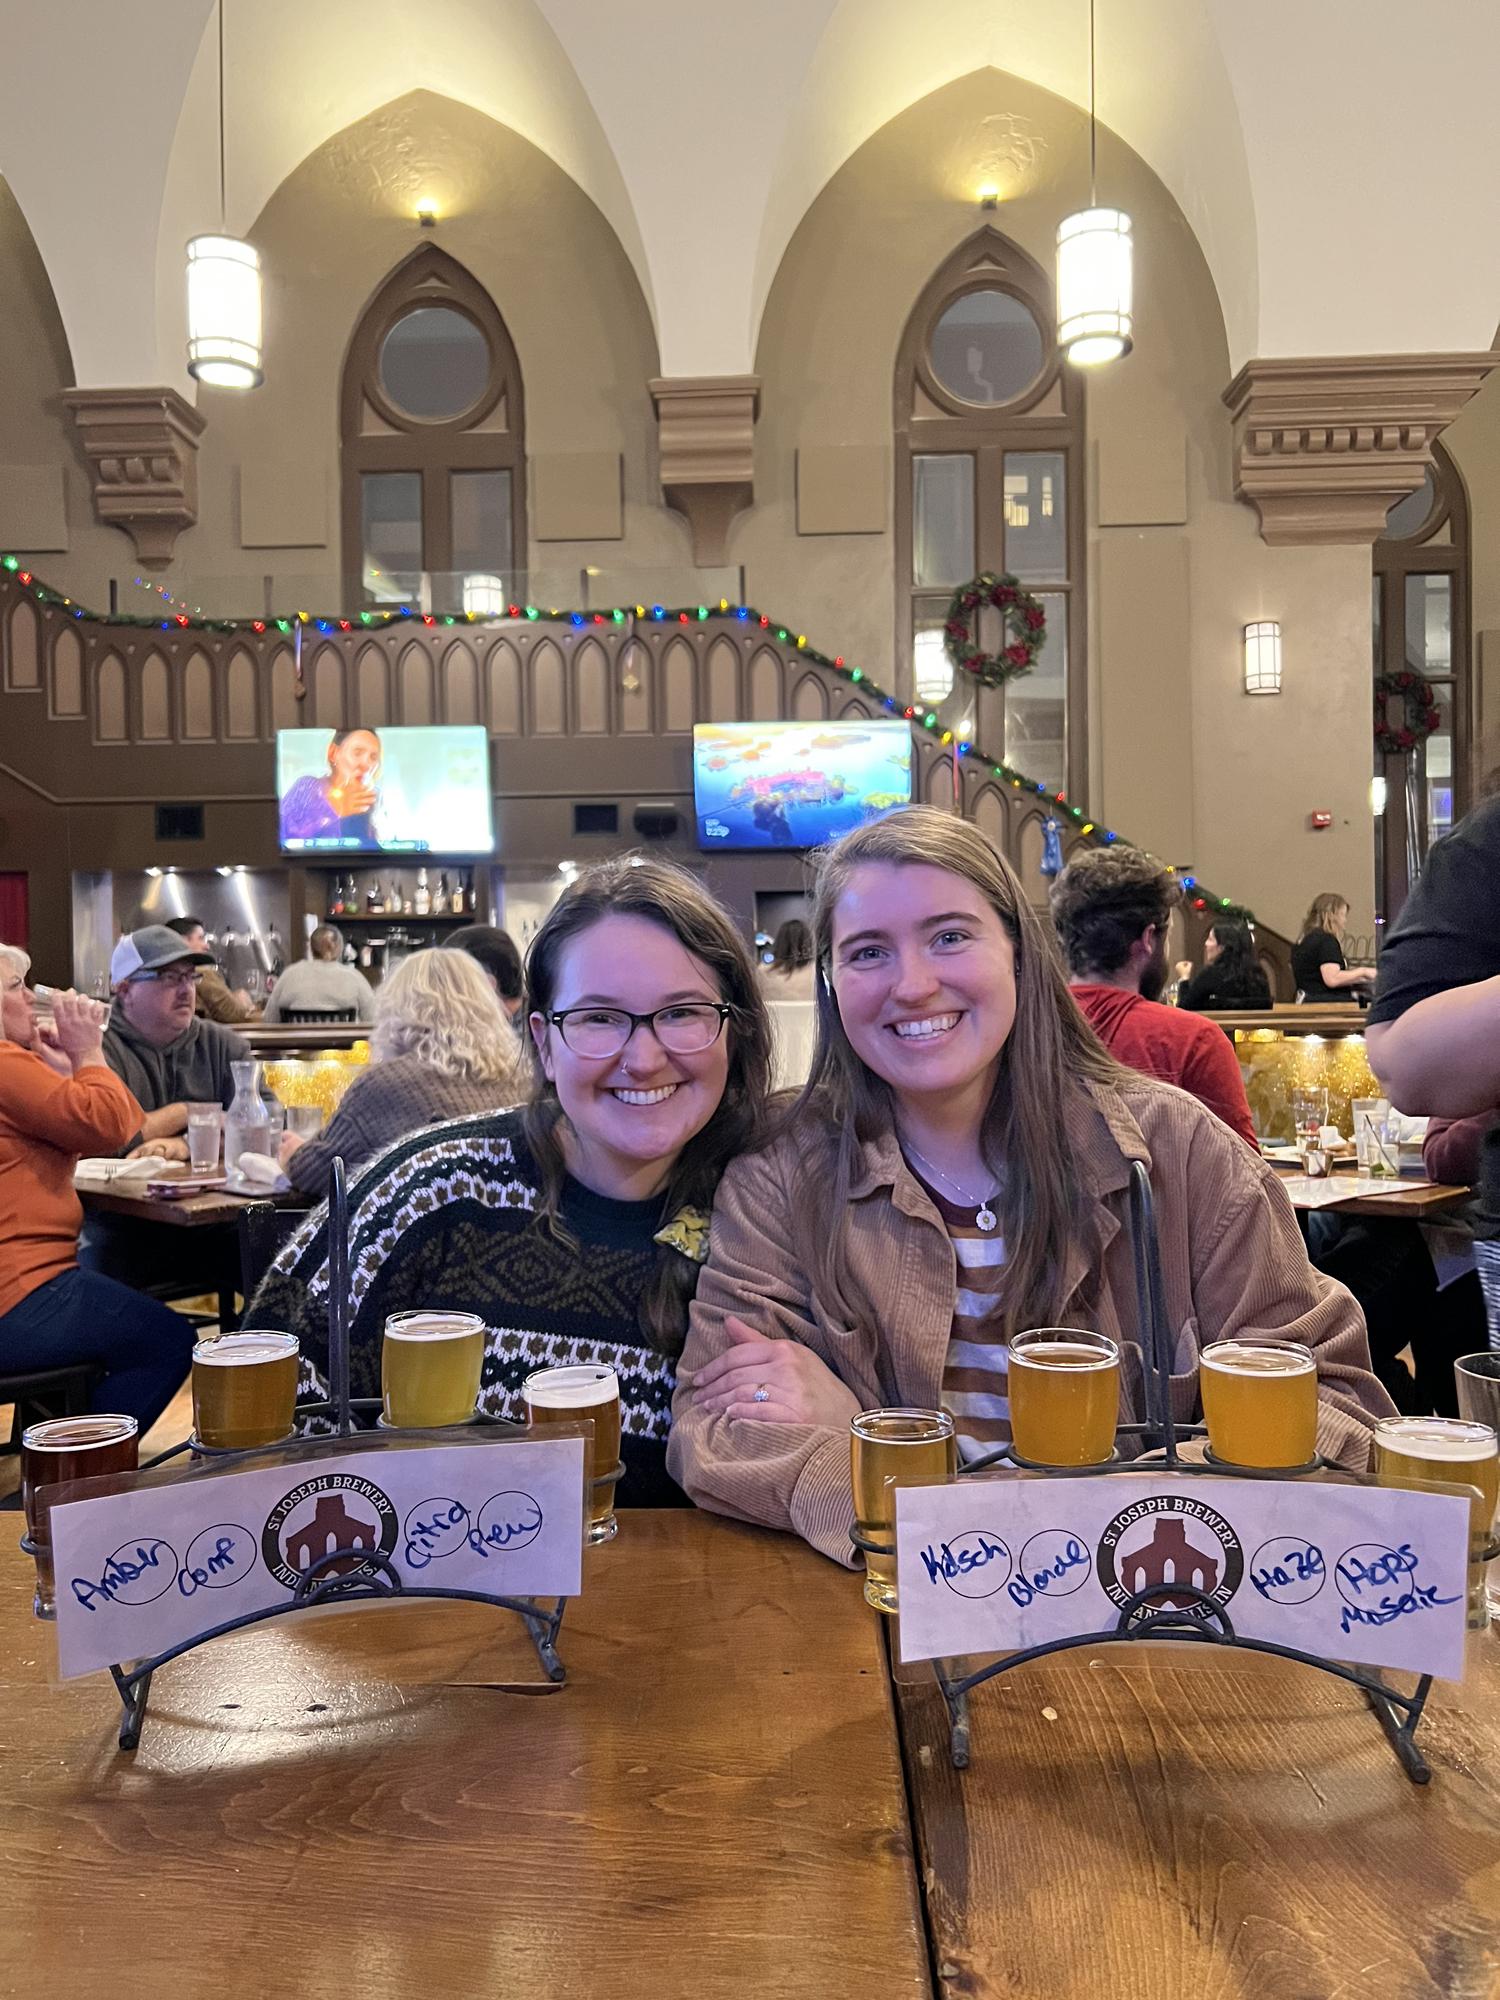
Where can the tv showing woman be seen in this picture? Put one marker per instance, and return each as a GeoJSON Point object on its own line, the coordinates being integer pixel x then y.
{"type": "Point", "coordinates": [343, 802]}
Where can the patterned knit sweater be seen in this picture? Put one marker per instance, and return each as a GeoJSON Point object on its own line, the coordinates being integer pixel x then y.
{"type": "Point", "coordinates": [447, 1220]}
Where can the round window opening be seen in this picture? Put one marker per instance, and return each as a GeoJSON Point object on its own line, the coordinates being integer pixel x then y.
{"type": "Point", "coordinates": [434, 364]}
{"type": "Point", "coordinates": [987, 348]}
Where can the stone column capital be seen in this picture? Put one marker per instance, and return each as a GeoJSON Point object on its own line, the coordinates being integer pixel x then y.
{"type": "Point", "coordinates": [142, 449]}
{"type": "Point", "coordinates": [1325, 447]}
{"type": "Point", "coordinates": [706, 436]}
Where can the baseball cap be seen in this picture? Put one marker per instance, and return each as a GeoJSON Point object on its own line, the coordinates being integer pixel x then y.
{"type": "Point", "coordinates": [148, 950]}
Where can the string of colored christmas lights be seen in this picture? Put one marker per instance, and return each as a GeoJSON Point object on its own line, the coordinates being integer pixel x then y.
{"type": "Point", "coordinates": [1200, 896]}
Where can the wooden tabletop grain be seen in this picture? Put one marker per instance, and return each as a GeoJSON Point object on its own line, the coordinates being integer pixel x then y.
{"type": "Point", "coordinates": [387, 1803]}
{"type": "Point", "coordinates": [1142, 1828]}
{"type": "Point", "coordinates": [186, 1211]}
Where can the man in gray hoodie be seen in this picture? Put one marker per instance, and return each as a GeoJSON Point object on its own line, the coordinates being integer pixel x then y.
{"type": "Point", "coordinates": [165, 1054]}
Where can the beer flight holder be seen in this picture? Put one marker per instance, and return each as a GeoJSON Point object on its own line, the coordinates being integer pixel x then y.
{"type": "Point", "coordinates": [1192, 1617]}
{"type": "Point", "coordinates": [325, 1581]}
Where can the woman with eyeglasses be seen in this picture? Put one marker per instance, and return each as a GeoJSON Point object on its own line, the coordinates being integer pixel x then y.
{"type": "Point", "coordinates": [575, 1224]}
{"type": "Point", "coordinates": [60, 1100]}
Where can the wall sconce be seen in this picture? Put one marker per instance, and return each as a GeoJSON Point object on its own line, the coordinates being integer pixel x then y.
{"type": "Point", "coordinates": [427, 212]}
{"type": "Point", "coordinates": [1263, 657]}
{"type": "Point", "coordinates": [988, 195]}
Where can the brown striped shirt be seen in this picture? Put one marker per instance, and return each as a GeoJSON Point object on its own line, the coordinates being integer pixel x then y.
{"type": "Point", "coordinates": [974, 1372]}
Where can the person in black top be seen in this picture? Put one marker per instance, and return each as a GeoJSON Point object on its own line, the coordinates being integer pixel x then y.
{"type": "Point", "coordinates": [1434, 1032]}
{"type": "Point", "coordinates": [1230, 976]}
{"type": "Point", "coordinates": [1319, 967]}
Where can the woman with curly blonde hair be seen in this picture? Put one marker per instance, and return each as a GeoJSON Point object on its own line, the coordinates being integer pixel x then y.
{"type": "Point", "coordinates": [442, 1047]}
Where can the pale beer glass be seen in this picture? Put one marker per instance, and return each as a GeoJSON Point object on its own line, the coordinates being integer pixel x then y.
{"type": "Point", "coordinates": [586, 1392]}
{"type": "Point", "coordinates": [1064, 1388]}
{"type": "Point", "coordinates": [1477, 1379]}
{"type": "Point", "coordinates": [1260, 1402]}
{"type": "Point", "coordinates": [887, 1449]}
{"type": "Point", "coordinates": [244, 1388]}
{"type": "Point", "coordinates": [430, 1365]}
{"type": "Point", "coordinates": [55, 1451]}
{"type": "Point", "coordinates": [1449, 1451]}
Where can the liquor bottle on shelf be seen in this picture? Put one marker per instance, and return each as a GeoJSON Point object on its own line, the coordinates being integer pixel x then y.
{"type": "Point", "coordinates": [336, 897]}
{"type": "Point", "coordinates": [440, 901]}
{"type": "Point", "coordinates": [374, 901]}
{"type": "Point", "coordinates": [423, 899]}
{"type": "Point", "coordinates": [393, 900]}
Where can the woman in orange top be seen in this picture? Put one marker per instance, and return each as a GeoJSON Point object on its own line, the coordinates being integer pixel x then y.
{"type": "Point", "coordinates": [59, 1100]}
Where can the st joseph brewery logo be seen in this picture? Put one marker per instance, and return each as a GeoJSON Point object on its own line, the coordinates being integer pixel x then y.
{"type": "Point", "coordinates": [335, 1510]}
{"type": "Point", "coordinates": [1166, 1539]}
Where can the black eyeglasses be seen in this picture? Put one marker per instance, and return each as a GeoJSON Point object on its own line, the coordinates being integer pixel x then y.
{"type": "Point", "coordinates": [684, 1029]}
{"type": "Point", "coordinates": [170, 975]}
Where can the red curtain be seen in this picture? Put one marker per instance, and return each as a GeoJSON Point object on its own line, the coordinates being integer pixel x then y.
{"type": "Point", "coordinates": [15, 923]}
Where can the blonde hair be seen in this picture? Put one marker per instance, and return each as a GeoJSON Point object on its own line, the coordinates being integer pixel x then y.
{"type": "Point", "coordinates": [1322, 910]}
{"type": "Point", "coordinates": [439, 1007]}
{"type": "Point", "coordinates": [1049, 1060]}
{"type": "Point", "coordinates": [12, 955]}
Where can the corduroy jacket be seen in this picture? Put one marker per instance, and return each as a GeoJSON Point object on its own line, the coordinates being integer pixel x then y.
{"type": "Point", "coordinates": [1233, 1264]}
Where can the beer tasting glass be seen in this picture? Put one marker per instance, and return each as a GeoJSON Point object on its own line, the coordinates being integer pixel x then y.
{"type": "Point", "coordinates": [1450, 1451]}
{"type": "Point", "coordinates": [570, 1396]}
{"type": "Point", "coordinates": [1260, 1402]}
{"type": "Point", "coordinates": [887, 1449]}
{"type": "Point", "coordinates": [205, 1122]}
{"type": "Point", "coordinates": [60, 1449]}
{"type": "Point", "coordinates": [1477, 1378]}
{"type": "Point", "coordinates": [244, 1388]}
{"type": "Point", "coordinates": [1064, 1386]}
{"type": "Point", "coordinates": [430, 1365]}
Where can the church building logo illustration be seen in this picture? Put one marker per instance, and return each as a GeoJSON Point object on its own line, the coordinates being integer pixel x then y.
{"type": "Point", "coordinates": [1170, 1538]}
{"type": "Point", "coordinates": [336, 1510]}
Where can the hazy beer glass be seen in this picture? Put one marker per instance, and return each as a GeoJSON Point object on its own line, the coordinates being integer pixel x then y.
{"type": "Point", "coordinates": [1477, 1379]}
{"type": "Point", "coordinates": [60, 1449]}
{"type": "Point", "coordinates": [571, 1396]}
{"type": "Point", "coordinates": [887, 1449]}
{"type": "Point", "coordinates": [244, 1389]}
{"type": "Point", "coordinates": [1064, 1388]}
{"type": "Point", "coordinates": [1260, 1401]}
{"type": "Point", "coordinates": [1450, 1451]}
{"type": "Point", "coordinates": [430, 1365]}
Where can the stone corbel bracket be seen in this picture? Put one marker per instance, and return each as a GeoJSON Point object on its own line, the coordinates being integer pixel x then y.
{"type": "Point", "coordinates": [706, 436]}
{"type": "Point", "coordinates": [1324, 448]}
{"type": "Point", "coordinates": [142, 449]}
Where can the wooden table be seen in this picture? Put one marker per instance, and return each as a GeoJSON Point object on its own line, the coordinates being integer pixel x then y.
{"type": "Point", "coordinates": [1140, 1829]}
{"type": "Point", "coordinates": [713, 1806]}
{"type": "Point", "coordinates": [1401, 1204]}
{"type": "Point", "coordinates": [190, 1211]}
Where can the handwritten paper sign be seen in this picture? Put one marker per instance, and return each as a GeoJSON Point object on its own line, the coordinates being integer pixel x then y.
{"type": "Point", "coordinates": [1349, 1572]}
{"type": "Point", "coordinates": [142, 1571]}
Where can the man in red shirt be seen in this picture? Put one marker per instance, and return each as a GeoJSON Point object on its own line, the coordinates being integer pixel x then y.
{"type": "Point", "coordinates": [1111, 906]}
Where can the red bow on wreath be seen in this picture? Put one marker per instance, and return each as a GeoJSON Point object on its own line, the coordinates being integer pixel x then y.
{"type": "Point", "coordinates": [1025, 624]}
{"type": "Point", "coordinates": [1419, 709]}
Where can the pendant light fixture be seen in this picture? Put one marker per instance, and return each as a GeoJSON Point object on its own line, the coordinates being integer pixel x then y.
{"type": "Point", "coordinates": [1094, 266]}
{"type": "Point", "coordinates": [223, 278]}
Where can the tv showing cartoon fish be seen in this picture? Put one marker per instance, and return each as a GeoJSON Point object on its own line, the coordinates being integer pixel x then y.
{"type": "Point", "coordinates": [795, 784]}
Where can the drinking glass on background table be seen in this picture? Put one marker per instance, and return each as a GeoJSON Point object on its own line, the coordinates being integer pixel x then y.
{"type": "Point", "coordinates": [60, 1449]}
{"type": "Point", "coordinates": [244, 1388]}
{"type": "Point", "coordinates": [1309, 1113]}
{"type": "Point", "coordinates": [569, 1396]}
{"type": "Point", "coordinates": [305, 1120]}
{"type": "Point", "coordinates": [1477, 1379]}
{"type": "Point", "coordinates": [205, 1122]}
{"type": "Point", "coordinates": [1447, 1451]}
{"type": "Point", "coordinates": [1370, 1114]}
{"type": "Point", "coordinates": [1260, 1402]}
{"type": "Point", "coordinates": [1064, 1387]}
{"type": "Point", "coordinates": [430, 1364]}
{"type": "Point", "coordinates": [887, 1449]}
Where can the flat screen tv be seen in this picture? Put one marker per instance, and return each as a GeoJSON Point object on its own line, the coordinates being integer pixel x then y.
{"type": "Point", "coordinates": [384, 791]}
{"type": "Point", "coordinates": [795, 784]}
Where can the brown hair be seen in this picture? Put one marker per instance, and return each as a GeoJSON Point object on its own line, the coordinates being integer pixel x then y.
{"type": "Point", "coordinates": [667, 895]}
{"type": "Point", "coordinates": [1104, 899]}
{"type": "Point", "coordinates": [1050, 1057]}
{"type": "Point", "coordinates": [1321, 909]}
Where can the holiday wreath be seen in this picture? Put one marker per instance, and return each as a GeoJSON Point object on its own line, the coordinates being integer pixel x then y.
{"type": "Point", "coordinates": [1419, 705]}
{"type": "Point", "coordinates": [1025, 629]}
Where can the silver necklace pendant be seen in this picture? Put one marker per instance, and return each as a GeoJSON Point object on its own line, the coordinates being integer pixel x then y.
{"type": "Point", "coordinates": [985, 1219]}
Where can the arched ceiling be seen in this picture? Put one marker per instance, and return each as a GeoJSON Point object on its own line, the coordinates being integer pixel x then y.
{"type": "Point", "coordinates": [1334, 160]}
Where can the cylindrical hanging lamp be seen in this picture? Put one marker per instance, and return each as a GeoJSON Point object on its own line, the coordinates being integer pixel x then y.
{"type": "Point", "coordinates": [1095, 266]}
{"type": "Point", "coordinates": [223, 275]}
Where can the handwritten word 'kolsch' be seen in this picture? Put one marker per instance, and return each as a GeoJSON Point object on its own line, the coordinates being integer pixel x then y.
{"type": "Point", "coordinates": [964, 1556]}
{"type": "Point", "coordinates": [1023, 1589]}
{"type": "Point", "coordinates": [1387, 1568]}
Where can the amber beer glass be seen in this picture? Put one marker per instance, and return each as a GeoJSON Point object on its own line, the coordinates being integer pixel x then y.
{"type": "Point", "coordinates": [60, 1449]}
{"type": "Point", "coordinates": [1260, 1402]}
{"type": "Point", "coordinates": [244, 1389]}
{"type": "Point", "coordinates": [1449, 1451]}
{"type": "Point", "coordinates": [1064, 1387]}
{"type": "Point", "coordinates": [887, 1449]}
{"type": "Point", "coordinates": [430, 1365]}
{"type": "Point", "coordinates": [572, 1396]}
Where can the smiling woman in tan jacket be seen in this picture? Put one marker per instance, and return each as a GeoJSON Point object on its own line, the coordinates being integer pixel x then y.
{"type": "Point", "coordinates": [957, 1169]}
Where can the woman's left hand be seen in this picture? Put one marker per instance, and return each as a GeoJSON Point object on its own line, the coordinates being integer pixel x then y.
{"type": "Point", "coordinates": [799, 1388]}
{"type": "Point", "coordinates": [290, 1141]}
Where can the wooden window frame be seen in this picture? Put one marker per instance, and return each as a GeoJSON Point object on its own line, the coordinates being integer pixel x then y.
{"type": "Point", "coordinates": [433, 449]}
{"type": "Point", "coordinates": [989, 261]}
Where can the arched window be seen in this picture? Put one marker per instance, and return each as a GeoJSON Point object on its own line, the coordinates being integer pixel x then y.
{"type": "Point", "coordinates": [1420, 613]}
{"type": "Point", "coordinates": [434, 444]}
{"type": "Point", "coordinates": [989, 432]}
